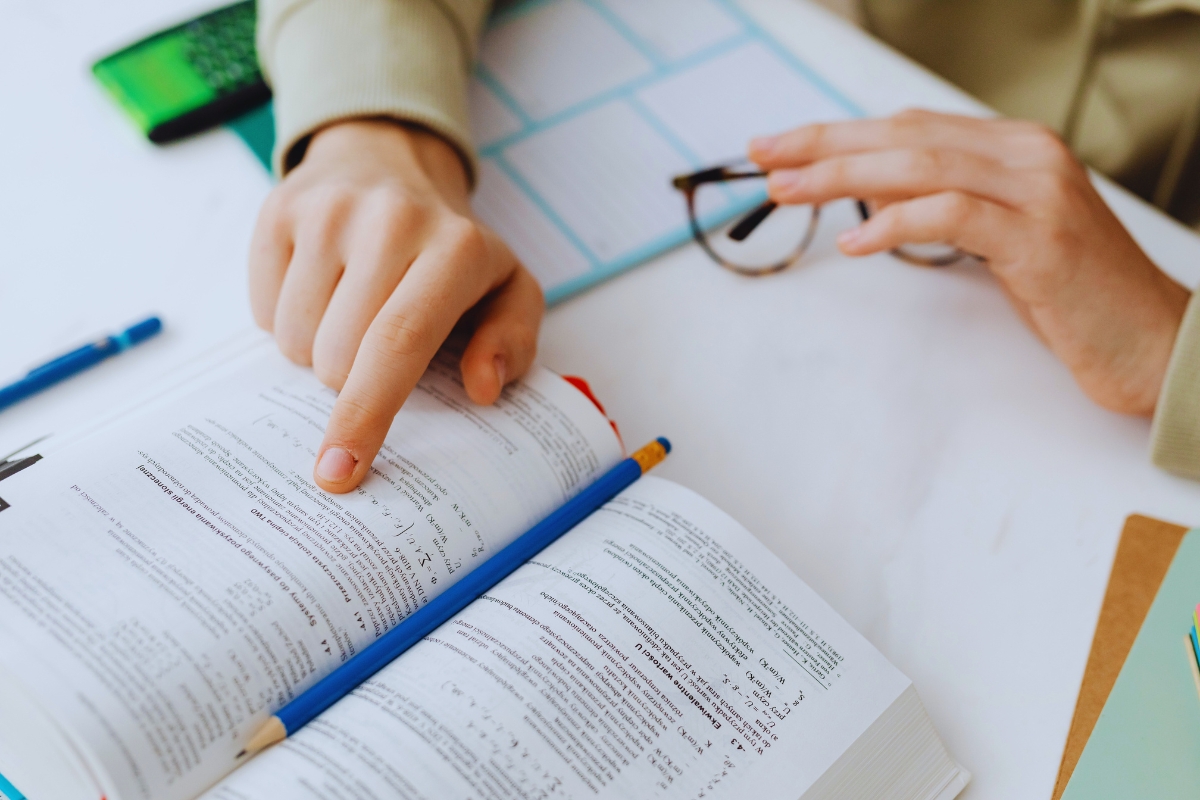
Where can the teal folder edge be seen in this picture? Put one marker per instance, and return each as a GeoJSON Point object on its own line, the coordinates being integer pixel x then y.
{"type": "Point", "coordinates": [257, 129]}
{"type": "Point", "coordinates": [1146, 740]}
{"type": "Point", "coordinates": [8, 791]}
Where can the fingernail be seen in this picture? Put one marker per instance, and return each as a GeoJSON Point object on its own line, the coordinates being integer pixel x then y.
{"type": "Point", "coordinates": [763, 145]}
{"type": "Point", "coordinates": [336, 465]}
{"type": "Point", "coordinates": [785, 180]}
{"type": "Point", "coordinates": [501, 370]}
{"type": "Point", "coordinates": [848, 238]}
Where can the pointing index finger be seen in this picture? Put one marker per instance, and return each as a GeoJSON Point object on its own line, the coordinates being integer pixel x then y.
{"type": "Point", "coordinates": [398, 346]}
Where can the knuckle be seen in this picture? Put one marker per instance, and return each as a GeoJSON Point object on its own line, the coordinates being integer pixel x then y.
{"type": "Point", "coordinates": [328, 200]}
{"type": "Point", "coordinates": [908, 120]}
{"type": "Point", "coordinates": [1027, 127]}
{"type": "Point", "coordinates": [272, 231]}
{"type": "Point", "coordinates": [277, 226]}
{"type": "Point", "coordinates": [1061, 236]}
{"type": "Point", "coordinates": [957, 209]}
{"type": "Point", "coordinates": [1056, 190]}
{"type": "Point", "coordinates": [539, 297]}
{"type": "Point", "coordinates": [262, 309]}
{"type": "Point", "coordinates": [812, 138]}
{"type": "Point", "coordinates": [826, 175]}
{"type": "Point", "coordinates": [391, 204]}
{"type": "Point", "coordinates": [896, 219]}
{"type": "Point", "coordinates": [275, 207]}
{"type": "Point", "coordinates": [523, 338]}
{"type": "Point", "coordinates": [1046, 143]}
{"type": "Point", "coordinates": [897, 124]}
{"type": "Point", "coordinates": [465, 239]}
{"type": "Point", "coordinates": [293, 346]}
{"type": "Point", "coordinates": [924, 163]}
{"type": "Point", "coordinates": [329, 373]}
{"type": "Point", "coordinates": [356, 410]}
{"type": "Point", "coordinates": [909, 116]}
{"type": "Point", "coordinates": [330, 364]}
{"type": "Point", "coordinates": [324, 212]}
{"type": "Point", "coordinates": [396, 337]}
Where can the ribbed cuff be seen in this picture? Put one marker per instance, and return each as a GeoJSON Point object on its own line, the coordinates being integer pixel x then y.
{"type": "Point", "coordinates": [1175, 437]}
{"type": "Point", "coordinates": [330, 60]}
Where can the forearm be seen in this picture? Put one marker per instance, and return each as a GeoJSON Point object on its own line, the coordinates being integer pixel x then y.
{"type": "Point", "coordinates": [330, 60]}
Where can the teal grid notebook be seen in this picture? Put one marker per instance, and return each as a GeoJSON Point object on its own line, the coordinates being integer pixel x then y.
{"type": "Point", "coordinates": [1146, 742]}
{"type": "Point", "coordinates": [583, 110]}
{"type": "Point", "coordinates": [8, 791]}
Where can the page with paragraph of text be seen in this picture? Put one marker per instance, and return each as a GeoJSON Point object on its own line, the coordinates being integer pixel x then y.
{"type": "Point", "coordinates": [656, 650]}
{"type": "Point", "coordinates": [168, 582]}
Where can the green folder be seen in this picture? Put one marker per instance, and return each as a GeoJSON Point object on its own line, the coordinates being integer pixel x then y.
{"type": "Point", "coordinates": [1146, 743]}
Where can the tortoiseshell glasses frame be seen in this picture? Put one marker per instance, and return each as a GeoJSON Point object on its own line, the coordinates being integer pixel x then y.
{"type": "Point", "coordinates": [926, 256]}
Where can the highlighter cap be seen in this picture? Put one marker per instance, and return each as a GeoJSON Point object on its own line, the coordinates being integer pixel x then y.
{"type": "Point", "coordinates": [139, 332]}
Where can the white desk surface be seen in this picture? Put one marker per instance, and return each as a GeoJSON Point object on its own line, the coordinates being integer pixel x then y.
{"type": "Point", "coordinates": [893, 433]}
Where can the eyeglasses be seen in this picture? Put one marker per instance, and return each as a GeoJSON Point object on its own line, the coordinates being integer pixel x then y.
{"type": "Point", "coordinates": [742, 230]}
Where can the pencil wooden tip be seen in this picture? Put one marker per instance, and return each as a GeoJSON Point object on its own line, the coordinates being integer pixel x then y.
{"type": "Point", "coordinates": [272, 732]}
{"type": "Point", "coordinates": [652, 454]}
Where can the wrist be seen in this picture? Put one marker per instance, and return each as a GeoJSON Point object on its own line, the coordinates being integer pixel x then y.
{"type": "Point", "coordinates": [400, 149]}
{"type": "Point", "coordinates": [1147, 357]}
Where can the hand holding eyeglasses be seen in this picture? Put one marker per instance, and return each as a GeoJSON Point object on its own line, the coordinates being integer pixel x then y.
{"type": "Point", "coordinates": [1011, 193]}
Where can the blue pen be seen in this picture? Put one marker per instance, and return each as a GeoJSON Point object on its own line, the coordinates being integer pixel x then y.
{"type": "Point", "coordinates": [77, 361]}
{"type": "Point", "coordinates": [441, 609]}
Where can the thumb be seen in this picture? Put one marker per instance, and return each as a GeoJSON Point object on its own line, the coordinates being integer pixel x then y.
{"type": "Point", "coordinates": [505, 339]}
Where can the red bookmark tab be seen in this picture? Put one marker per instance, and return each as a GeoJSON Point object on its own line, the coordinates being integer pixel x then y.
{"type": "Point", "coordinates": [582, 385]}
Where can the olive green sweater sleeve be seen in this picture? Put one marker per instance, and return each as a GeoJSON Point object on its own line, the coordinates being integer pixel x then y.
{"type": "Point", "coordinates": [328, 60]}
{"type": "Point", "coordinates": [1176, 434]}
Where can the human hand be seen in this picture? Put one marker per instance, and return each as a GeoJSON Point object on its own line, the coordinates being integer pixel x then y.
{"type": "Point", "coordinates": [1011, 193]}
{"type": "Point", "coordinates": [363, 260]}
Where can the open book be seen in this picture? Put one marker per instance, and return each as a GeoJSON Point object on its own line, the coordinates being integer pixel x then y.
{"type": "Point", "coordinates": [172, 578]}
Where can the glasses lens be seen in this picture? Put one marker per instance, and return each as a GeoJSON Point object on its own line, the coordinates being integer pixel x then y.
{"type": "Point", "coordinates": [745, 234]}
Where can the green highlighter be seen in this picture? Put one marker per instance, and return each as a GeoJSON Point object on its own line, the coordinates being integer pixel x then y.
{"type": "Point", "coordinates": [188, 78]}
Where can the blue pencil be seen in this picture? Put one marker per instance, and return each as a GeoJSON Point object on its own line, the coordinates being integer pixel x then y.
{"type": "Point", "coordinates": [442, 608]}
{"type": "Point", "coordinates": [77, 361]}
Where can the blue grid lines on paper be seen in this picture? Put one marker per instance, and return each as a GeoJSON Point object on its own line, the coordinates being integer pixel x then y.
{"type": "Point", "coordinates": [744, 31]}
{"type": "Point", "coordinates": [8, 791]}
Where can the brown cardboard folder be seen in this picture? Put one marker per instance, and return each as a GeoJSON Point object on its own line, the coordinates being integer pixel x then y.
{"type": "Point", "coordinates": [1143, 556]}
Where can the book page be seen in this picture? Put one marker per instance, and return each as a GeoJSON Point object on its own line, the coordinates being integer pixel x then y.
{"type": "Point", "coordinates": [169, 582]}
{"type": "Point", "coordinates": [657, 650]}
